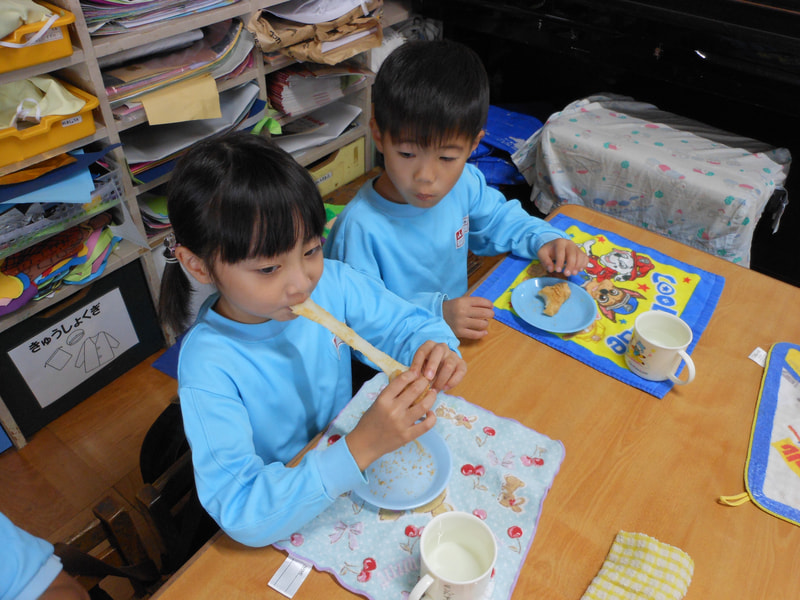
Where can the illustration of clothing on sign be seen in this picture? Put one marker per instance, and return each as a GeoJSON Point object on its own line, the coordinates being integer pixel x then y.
{"type": "Point", "coordinates": [96, 351]}
{"type": "Point", "coordinates": [58, 359]}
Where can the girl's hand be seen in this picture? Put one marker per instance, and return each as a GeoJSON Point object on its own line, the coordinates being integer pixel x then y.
{"type": "Point", "coordinates": [438, 364]}
{"type": "Point", "coordinates": [394, 419]}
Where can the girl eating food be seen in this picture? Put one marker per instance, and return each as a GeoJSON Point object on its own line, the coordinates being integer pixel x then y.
{"type": "Point", "coordinates": [256, 382]}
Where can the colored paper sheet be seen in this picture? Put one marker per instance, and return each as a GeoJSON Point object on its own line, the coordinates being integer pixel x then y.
{"type": "Point", "coordinates": [76, 189]}
{"type": "Point", "coordinates": [189, 100]}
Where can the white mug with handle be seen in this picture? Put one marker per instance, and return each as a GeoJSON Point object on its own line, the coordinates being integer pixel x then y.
{"type": "Point", "coordinates": [658, 345]}
{"type": "Point", "coordinates": [457, 557]}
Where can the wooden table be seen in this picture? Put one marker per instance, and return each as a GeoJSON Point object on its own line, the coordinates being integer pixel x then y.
{"type": "Point", "coordinates": [633, 462]}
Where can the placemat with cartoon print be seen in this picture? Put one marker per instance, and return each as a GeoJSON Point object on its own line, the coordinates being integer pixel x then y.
{"type": "Point", "coordinates": [625, 279]}
{"type": "Point", "coordinates": [772, 472]}
{"type": "Point", "coordinates": [501, 472]}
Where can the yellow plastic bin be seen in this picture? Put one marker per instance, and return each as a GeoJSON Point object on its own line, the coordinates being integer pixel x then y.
{"type": "Point", "coordinates": [54, 44]}
{"type": "Point", "coordinates": [53, 131]}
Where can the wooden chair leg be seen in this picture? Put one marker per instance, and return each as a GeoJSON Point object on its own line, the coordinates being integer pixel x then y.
{"type": "Point", "coordinates": [118, 522]}
{"type": "Point", "coordinates": [109, 545]}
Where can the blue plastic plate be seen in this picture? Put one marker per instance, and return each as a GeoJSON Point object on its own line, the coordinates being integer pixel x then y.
{"type": "Point", "coordinates": [575, 314]}
{"type": "Point", "coordinates": [410, 476]}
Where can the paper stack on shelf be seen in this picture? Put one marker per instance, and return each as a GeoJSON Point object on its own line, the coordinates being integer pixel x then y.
{"type": "Point", "coordinates": [173, 42]}
{"type": "Point", "coordinates": [40, 201]}
{"type": "Point", "coordinates": [320, 31]}
{"type": "Point", "coordinates": [304, 87]}
{"type": "Point", "coordinates": [317, 128]}
{"type": "Point", "coordinates": [109, 17]}
{"type": "Point", "coordinates": [148, 147]}
{"type": "Point", "coordinates": [154, 212]}
{"type": "Point", "coordinates": [74, 256]}
{"type": "Point", "coordinates": [239, 60]}
{"type": "Point", "coordinates": [223, 47]}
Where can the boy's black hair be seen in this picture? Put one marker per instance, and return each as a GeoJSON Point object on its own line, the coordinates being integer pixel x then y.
{"type": "Point", "coordinates": [236, 197]}
{"type": "Point", "coordinates": [427, 91]}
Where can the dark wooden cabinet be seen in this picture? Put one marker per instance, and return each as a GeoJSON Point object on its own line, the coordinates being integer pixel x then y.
{"type": "Point", "coordinates": [732, 64]}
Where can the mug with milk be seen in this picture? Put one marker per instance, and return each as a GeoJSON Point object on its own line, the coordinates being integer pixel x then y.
{"type": "Point", "coordinates": [457, 556]}
{"type": "Point", "coordinates": [658, 345]}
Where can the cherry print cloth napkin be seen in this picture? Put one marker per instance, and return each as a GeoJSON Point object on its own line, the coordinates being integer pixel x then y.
{"type": "Point", "coordinates": [501, 472]}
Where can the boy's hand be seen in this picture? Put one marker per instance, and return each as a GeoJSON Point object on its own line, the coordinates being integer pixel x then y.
{"type": "Point", "coordinates": [563, 256]}
{"type": "Point", "coordinates": [394, 419]}
{"type": "Point", "coordinates": [439, 365]}
{"type": "Point", "coordinates": [468, 316]}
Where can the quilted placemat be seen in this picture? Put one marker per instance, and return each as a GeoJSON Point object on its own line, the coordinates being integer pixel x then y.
{"type": "Point", "coordinates": [625, 279]}
{"type": "Point", "coordinates": [501, 473]}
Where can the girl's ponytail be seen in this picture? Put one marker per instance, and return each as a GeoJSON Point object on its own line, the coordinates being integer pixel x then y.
{"type": "Point", "coordinates": [176, 291]}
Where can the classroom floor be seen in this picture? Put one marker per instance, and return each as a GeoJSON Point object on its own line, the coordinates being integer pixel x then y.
{"type": "Point", "coordinates": [50, 486]}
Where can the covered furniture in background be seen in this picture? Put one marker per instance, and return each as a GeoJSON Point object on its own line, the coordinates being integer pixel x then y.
{"type": "Point", "coordinates": [683, 179]}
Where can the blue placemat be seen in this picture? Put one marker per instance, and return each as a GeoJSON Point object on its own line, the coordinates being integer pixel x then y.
{"type": "Point", "coordinates": [625, 279]}
{"type": "Point", "coordinates": [502, 472]}
{"type": "Point", "coordinates": [773, 462]}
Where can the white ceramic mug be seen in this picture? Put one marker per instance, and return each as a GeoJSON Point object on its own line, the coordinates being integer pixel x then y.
{"type": "Point", "coordinates": [658, 344]}
{"type": "Point", "coordinates": [457, 554]}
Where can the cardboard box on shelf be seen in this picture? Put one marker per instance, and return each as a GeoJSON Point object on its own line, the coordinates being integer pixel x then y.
{"type": "Point", "coordinates": [339, 168]}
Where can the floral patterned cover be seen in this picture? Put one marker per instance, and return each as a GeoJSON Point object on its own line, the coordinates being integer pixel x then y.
{"type": "Point", "coordinates": [682, 179]}
{"type": "Point", "coordinates": [501, 473]}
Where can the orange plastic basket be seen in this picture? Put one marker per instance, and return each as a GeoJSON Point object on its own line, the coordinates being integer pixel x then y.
{"type": "Point", "coordinates": [51, 132]}
{"type": "Point", "coordinates": [54, 44]}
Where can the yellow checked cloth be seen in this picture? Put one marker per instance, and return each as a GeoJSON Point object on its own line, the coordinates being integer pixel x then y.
{"type": "Point", "coordinates": [639, 566]}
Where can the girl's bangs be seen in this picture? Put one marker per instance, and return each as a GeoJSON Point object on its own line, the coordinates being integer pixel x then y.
{"type": "Point", "coordinates": [255, 227]}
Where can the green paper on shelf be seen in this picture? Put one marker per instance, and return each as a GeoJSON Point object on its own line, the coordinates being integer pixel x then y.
{"type": "Point", "coordinates": [331, 212]}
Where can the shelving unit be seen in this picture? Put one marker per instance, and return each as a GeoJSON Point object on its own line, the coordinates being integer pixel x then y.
{"type": "Point", "coordinates": [82, 70]}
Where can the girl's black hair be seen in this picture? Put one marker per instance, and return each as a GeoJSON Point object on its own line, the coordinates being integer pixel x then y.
{"type": "Point", "coordinates": [427, 91]}
{"type": "Point", "coordinates": [232, 198]}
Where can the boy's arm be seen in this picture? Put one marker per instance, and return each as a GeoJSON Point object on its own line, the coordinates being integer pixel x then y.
{"type": "Point", "coordinates": [497, 225]}
{"type": "Point", "coordinates": [353, 243]}
{"type": "Point", "coordinates": [433, 302]}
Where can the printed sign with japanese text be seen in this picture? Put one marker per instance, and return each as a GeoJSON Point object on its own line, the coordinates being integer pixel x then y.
{"type": "Point", "coordinates": [61, 357]}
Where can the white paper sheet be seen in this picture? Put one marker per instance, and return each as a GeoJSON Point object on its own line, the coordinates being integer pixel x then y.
{"type": "Point", "coordinates": [338, 117]}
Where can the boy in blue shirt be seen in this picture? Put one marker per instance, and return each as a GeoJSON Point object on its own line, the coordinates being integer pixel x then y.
{"type": "Point", "coordinates": [413, 225]}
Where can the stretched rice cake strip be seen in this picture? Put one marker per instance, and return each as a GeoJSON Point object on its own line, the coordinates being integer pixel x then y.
{"type": "Point", "coordinates": [311, 310]}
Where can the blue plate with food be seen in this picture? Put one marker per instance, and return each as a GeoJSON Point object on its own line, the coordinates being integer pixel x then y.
{"type": "Point", "coordinates": [553, 304]}
{"type": "Point", "coordinates": [409, 477]}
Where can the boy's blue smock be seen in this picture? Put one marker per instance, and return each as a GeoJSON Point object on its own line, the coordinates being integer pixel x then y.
{"type": "Point", "coordinates": [421, 253]}
{"type": "Point", "coordinates": [27, 563]}
{"type": "Point", "coordinates": [253, 396]}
